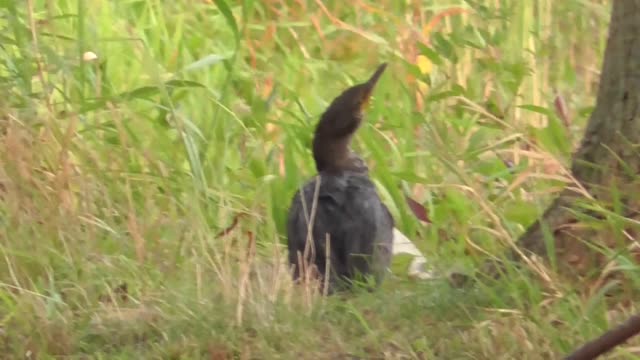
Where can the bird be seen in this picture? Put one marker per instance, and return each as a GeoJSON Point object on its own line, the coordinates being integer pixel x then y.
{"type": "Point", "coordinates": [339, 210]}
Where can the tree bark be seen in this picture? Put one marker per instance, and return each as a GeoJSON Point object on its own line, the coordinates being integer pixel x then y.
{"type": "Point", "coordinates": [606, 166]}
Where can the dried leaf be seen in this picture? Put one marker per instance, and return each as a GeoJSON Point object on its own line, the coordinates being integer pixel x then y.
{"type": "Point", "coordinates": [418, 210]}
{"type": "Point", "coordinates": [229, 228]}
{"type": "Point", "coordinates": [561, 110]}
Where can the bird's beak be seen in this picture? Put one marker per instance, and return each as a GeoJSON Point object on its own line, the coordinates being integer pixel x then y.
{"type": "Point", "coordinates": [371, 83]}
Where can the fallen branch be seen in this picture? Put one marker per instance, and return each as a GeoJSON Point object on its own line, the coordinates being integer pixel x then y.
{"type": "Point", "coordinates": [608, 340]}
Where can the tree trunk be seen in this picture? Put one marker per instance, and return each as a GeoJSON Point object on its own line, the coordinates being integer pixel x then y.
{"type": "Point", "coordinates": [606, 166]}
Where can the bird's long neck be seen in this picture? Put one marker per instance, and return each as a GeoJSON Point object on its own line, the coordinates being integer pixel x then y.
{"type": "Point", "coordinates": [332, 154]}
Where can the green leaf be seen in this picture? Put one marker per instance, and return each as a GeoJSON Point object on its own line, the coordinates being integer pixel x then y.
{"type": "Point", "coordinates": [143, 92]}
{"type": "Point", "coordinates": [431, 54]}
{"type": "Point", "coordinates": [520, 212]}
{"type": "Point", "coordinates": [537, 109]}
{"type": "Point", "coordinates": [228, 15]}
{"type": "Point", "coordinates": [558, 136]}
{"type": "Point", "coordinates": [183, 84]}
{"type": "Point", "coordinates": [206, 61]}
{"type": "Point", "coordinates": [480, 41]}
{"type": "Point", "coordinates": [445, 48]}
{"type": "Point", "coordinates": [258, 168]}
{"type": "Point", "coordinates": [586, 111]}
{"type": "Point", "coordinates": [442, 95]}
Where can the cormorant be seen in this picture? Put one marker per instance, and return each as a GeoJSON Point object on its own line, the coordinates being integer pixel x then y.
{"type": "Point", "coordinates": [348, 210]}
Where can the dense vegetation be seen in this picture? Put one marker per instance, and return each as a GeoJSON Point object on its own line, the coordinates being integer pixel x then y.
{"type": "Point", "coordinates": [144, 189]}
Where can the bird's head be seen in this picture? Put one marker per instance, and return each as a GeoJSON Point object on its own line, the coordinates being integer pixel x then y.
{"type": "Point", "coordinates": [341, 120]}
{"type": "Point", "coordinates": [344, 114]}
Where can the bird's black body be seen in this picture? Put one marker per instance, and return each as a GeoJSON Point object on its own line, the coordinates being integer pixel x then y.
{"type": "Point", "coordinates": [347, 209]}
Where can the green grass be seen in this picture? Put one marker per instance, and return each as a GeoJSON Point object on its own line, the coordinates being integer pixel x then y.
{"type": "Point", "coordinates": [125, 171]}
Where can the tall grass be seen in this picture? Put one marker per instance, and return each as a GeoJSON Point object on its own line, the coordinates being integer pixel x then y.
{"type": "Point", "coordinates": [144, 192]}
